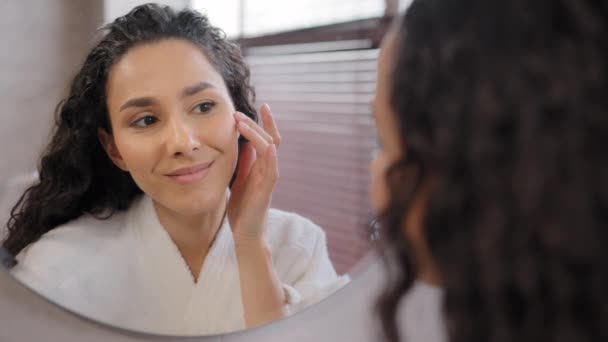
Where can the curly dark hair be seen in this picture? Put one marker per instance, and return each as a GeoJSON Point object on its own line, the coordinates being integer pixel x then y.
{"type": "Point", "coordinates": [504, 105]}
{"type": "Point", "coordinates": [76, 176]}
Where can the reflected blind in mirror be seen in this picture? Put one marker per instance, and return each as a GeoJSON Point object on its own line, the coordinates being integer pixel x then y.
{"type": "Point", "coordinates": [320, 94]}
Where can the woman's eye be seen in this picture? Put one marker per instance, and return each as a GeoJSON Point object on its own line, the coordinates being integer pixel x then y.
{"type": "Point", "coordinates": [144, 121]}
{"type": "Point", "coordinates": [204, 107]}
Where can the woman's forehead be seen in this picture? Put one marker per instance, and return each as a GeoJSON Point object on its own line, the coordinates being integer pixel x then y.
{"type": "Point", "coordinates": [161, 67]}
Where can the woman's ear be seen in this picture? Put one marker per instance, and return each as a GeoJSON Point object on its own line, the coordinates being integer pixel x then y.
{"type": "Point", "coordinates": [107, 141]}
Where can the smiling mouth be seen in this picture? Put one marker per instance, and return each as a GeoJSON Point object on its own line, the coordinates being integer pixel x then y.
{"type": "Point", "coordinates": [190, 175]}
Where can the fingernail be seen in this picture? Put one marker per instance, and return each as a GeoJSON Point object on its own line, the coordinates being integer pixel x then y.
{"type": "Point", "coordinates": [243, 125]}
{"type": "Point", "coordinates": [267, 106]}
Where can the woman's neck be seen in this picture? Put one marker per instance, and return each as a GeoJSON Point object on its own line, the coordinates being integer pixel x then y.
{"type": "Point", "coordinates": [192, 234]}
{"type": "Point", "coordinates": [428, 271]}
{"type": "Point", "coordinates": [415, 231]}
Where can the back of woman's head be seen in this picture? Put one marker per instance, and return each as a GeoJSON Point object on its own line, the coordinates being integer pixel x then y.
{"type": "Point", "coordinates": [75, 174]}
{"type": "Point", "coordinates": [504, 106]}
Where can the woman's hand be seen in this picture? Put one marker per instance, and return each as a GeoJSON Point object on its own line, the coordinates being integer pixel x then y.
{"type": "Point", "coordinates": [258, 171]}
{"type": "Point", "coordinates": [257, 174]}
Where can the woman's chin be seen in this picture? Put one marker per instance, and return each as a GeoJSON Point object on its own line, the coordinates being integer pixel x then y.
{"type": "Point", "coordinates": [191, 201]}
{"type": "Point", "coordinates": [195, 205]}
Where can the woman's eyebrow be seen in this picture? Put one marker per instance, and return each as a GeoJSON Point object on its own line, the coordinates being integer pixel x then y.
{"type": "Point", "coordinates": [138, 102]}
{"type": "Point", "coordinates": [193, 89]}
{"type": "Point", "coordinates": [148, 101]}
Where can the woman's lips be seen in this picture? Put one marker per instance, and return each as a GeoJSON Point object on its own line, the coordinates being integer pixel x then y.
{"type": "Point", "coordinates": [191, 174]}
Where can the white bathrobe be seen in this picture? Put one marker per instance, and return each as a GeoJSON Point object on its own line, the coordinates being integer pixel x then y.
{"type": "Point", "coordinates": [126, 271]}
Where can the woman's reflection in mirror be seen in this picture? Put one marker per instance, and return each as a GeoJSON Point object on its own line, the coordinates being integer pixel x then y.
{"type": "Point", "coordinates": [152, 206]}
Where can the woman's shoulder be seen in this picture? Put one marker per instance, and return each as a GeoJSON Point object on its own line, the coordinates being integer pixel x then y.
{"type": "Point", "coordinates": [80, 234]}
{"type": "Point", "coordinates": [60, 253]}
{"type": "Point", "coordinates": [288, 229]}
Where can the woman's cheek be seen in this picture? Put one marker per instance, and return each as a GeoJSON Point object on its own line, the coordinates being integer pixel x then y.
{"type": "Point", "coordinates": [226, 136]}
{"type": "Point", "coordinates": [378, 191]}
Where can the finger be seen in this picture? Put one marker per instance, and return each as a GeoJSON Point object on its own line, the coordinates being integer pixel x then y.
{"type": "Point", "coordinates": [247, 120]}
{"type": "Point", "coordinates": [244, 118]}
{"type": "Point", "coordinates": [259, 143]}
{"type": "Point", "coordinates": [272, 166]}
{"type": "Point", "coordinates": [247, 157]}
{"type": "Point", "coordinates": [270, 126]}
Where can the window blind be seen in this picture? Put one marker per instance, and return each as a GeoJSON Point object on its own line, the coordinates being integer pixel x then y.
{"type": "Point", "coordinates": [320, 95]}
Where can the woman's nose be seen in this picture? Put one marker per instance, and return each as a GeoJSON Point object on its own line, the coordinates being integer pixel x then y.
{"type": "Point", "coordinates": [182, 139]}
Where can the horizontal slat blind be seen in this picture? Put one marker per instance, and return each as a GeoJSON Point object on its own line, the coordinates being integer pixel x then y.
{"type": "Point", "coordinates": [321, 101]}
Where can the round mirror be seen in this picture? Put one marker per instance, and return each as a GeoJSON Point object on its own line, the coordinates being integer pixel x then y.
{"type": "Point", "coordinates": [164, 177]}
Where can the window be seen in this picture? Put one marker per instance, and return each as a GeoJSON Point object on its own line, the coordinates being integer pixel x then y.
{"type": "Point", "coordinates": [224, 14]}
{"type": "Point", "coordinates": [247, 18]}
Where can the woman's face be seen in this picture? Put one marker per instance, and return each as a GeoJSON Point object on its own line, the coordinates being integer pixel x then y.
{"type": "Point", "coordinates": [173, 128]}
{"type": "Point", "coordinates": [389, 152]}
{"type": "Point", "coordinates": [389, 149]}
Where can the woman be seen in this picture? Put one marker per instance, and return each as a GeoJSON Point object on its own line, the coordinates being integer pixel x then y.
{"type": "Point", "coordinates": [132, 221]}
{"type": "Point", "coordinates": [491, 182]}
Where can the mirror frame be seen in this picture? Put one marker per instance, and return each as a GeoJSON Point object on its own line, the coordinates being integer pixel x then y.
{"type": "Point", "coordinates": [346, 315]}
